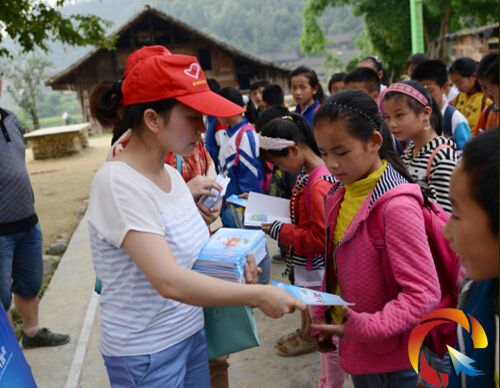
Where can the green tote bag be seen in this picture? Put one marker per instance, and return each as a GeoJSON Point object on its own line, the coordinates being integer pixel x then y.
{"type": "Point", "coordinates": [229, 329]}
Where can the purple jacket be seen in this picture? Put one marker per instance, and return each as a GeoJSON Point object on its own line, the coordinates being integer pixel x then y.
{"type": "Point", "coordinates": [392, 288]}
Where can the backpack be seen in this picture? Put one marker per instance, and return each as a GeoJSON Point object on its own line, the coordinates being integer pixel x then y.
{"type": "Point", "coordinates": [316, 174]}
{"type": "Point", "coordinates": [448, 268]}
{"type": "Point", "coordinates": [447, 121]}
{"type": "Point", "coordinates": [264, 184]}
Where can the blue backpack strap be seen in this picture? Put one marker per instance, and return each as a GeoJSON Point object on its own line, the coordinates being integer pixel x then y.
{"type": "Point", "coordinates": [178, 163]}
{"type": "Point", "coordinates": [448, 115]}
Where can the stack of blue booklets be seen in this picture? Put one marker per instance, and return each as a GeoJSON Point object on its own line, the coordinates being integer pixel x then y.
{"type": "Point", "coordinates": [225, 254]}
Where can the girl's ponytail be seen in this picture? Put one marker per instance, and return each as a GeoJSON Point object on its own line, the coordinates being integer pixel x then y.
{"type": "Point", "coordinates": [105, 105]}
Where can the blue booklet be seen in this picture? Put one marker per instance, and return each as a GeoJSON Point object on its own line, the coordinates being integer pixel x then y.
{"type": "Point", "coordinates": [312, 297]}
{"type": "Point", "coordinates": [235, 200]}
{"type": "Point", "coordinates": [225, 254]}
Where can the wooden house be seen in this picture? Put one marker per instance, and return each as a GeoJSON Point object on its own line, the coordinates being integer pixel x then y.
{"type": "Point", "coordinates": [228, 65]}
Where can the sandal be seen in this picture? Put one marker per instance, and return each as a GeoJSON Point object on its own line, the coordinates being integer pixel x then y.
{"type": "Point", "coordinates": [295, 346]}
{"type": "Point", "coordinates": [286, 337]}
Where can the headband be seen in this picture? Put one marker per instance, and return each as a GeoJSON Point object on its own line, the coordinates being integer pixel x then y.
{"type": "Point", "coordinates": [405, 89]}
{"type": "Point", "coordinates": [274, 143]}
{"type": "Point", "coordinates": [343, 107]}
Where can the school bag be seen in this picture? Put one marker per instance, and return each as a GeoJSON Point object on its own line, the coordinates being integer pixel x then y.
{"type": "Point", "coordinates": [448, 268]}
{"type": "Point", "coordinates": [447, 121]}
{"type": "Point", "coordinates": [317, 173]}
{"type": "Point", "coordinates": [265, 184]}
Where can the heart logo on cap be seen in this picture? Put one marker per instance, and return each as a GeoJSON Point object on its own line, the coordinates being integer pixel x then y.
{"type": "Point", "coordinates": [193, 71]}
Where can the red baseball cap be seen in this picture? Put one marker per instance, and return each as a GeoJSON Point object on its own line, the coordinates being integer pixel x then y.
{"type": "Point", "coordinates": [143, 53]}
{"type": "Point", "coordinates": [159, 77]}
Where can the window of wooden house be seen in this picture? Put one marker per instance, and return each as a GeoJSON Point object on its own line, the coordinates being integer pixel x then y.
{"type": "Point", "coordinates": [205, 59]}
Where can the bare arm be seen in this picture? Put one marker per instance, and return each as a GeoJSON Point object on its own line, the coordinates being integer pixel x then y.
{"type": "Point", "coordinates": [153, 256]}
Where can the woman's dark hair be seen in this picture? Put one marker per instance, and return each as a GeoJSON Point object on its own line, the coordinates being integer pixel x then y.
{"type": "Point", "coordinates": [488, 68]}
{"type": "Point", "coordinates": [312, 77]}
{"type": "Point", "coordinates": [106, 108]}
{"type": "Point", "coordinates": [417, 107]}
{"type": "Point", "coordinates": [290, 127]}
{"type": "Point", "coordinates": [361, 118]}
{"type": "Point", "coordinates": [379, 66]}
{"type": "Point", "coordinates": [466, 67]}
{"type": "Point", "coordinates": [480, 162]}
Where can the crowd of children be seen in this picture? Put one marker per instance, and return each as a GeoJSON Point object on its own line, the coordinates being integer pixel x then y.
{"type": "Point", "coordinates": [361, 168]}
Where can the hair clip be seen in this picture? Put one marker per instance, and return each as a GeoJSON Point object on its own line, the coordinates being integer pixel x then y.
{"type": "Point", "coordinates": [287, 118]}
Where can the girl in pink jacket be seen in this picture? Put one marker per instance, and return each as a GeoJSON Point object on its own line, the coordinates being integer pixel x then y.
{"type": "Point", "coordinates": [377, 252]}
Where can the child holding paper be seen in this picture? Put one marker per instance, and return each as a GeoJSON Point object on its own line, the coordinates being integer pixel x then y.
{"type": "Point", "coordinates": [288, 143]}
{"type": "Point", "coordinates": [392, 280]}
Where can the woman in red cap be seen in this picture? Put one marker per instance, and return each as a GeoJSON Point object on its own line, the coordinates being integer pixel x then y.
{"type": "Point", "coordinates": [146, 231]}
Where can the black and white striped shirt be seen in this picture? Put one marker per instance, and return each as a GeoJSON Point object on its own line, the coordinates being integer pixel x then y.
{"type": "Point", "coordinates": [437, 186]}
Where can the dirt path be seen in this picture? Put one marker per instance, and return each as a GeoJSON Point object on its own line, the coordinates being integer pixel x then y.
{"type": "Point", "coordinates": [62, 187]}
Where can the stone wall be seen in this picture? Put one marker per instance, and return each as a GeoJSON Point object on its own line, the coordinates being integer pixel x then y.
{"type": "Point", "coordinates": [59, 145]}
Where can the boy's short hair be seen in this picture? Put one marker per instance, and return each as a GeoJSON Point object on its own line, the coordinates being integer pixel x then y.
{"type": "Point", "coordinates": [431, 70]}
{"type": "Point", "coordinates": [416, 59]}
{"type": "Point", "coordinates": [231, 94]}
{"type": "Point", "coordinates": [337, 77]}
{"type": "Point", "coordinates": [273, 95]}
{"type": "Point", "coordinates": [368, 77]}
{"type": "Point", "coordinates": [259, 84]}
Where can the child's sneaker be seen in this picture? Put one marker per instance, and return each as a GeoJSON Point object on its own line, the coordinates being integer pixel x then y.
{"type": "Point", "coordinates": [44, 337]}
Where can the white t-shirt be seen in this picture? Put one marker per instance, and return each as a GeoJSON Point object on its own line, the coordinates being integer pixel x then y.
{"type": "Point", "coordinates": [135, 318]}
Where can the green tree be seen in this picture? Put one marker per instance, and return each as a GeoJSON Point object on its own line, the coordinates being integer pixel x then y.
{"type": "Point", "coordinates": [388, 24]}
{"type": "Point", "coordinates": [26, 74]}
{"type": "Point", "coordinates": [32, 23]}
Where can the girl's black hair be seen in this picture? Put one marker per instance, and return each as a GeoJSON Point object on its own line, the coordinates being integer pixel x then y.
{"type": "Point", "coordinates": [290, 127]}
{"type": "Point", "coordinates": [361, 118]}
{"type": "Point", "coordinates": [107, 110]}
{"type": "Point", "coordinates": [269, 114]}
{"type": "Point", "coordinates": [379, 66]}
{"type": "Point", "coordinates": [466, 67]}
{"type": "Point", "coordinates": [488, 68]}
{"type": "Point", "coordinates": [417, 107]}
{"type": "Point", "coordinates": [312, 77]}
{"type": "Point", "coordinates": [480, 162]}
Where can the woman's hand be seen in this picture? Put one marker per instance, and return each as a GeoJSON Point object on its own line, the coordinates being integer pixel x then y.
{"type": "Point", "coordinates": [275, 302]}
{"type": "Point", "coordinates": [201, 185]}
{"type": "Point", "coordinates": [266, 228]}
{"type": "Point", "coordinates": [209, 215]}
{"type": "Point", "coordinates": [252, 272]}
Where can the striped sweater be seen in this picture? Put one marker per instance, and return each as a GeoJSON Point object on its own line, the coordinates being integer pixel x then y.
{"type": "Point", "coordinates": [437, 187]}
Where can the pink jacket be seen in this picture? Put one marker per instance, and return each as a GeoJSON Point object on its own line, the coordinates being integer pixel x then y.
{"type": "Point", "coordinates": [389, 298]}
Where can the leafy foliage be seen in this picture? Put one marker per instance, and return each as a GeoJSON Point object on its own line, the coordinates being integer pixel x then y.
{"type": "Point", "coordinates": [32, 23]}
{"type": "Point", "coordinates": [388, 24]}
{"type": "Point", "coordinates": [26, 75]}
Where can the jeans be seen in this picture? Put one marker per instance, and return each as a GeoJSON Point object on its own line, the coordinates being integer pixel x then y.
{"type": "Point", "coordinates": [402, 379]}
{"type": "Point", "coordinates": [184, 365]}
{"type": "Point", "coordinates": [21, 264]}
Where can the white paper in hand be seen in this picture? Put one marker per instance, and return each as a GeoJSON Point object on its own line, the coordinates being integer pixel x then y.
{"type": "Point", "coordinates": [265, 209]}
{"type": "Point", "coordinates": [208, 201]}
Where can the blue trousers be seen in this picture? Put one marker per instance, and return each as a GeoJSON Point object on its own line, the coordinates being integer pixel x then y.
{"type": "Point", "coordinates": [403, 379]}
{"type": "Point", "coordinates": [21, 264]}
{"type": "Point", "coordinates": [184, 365]}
